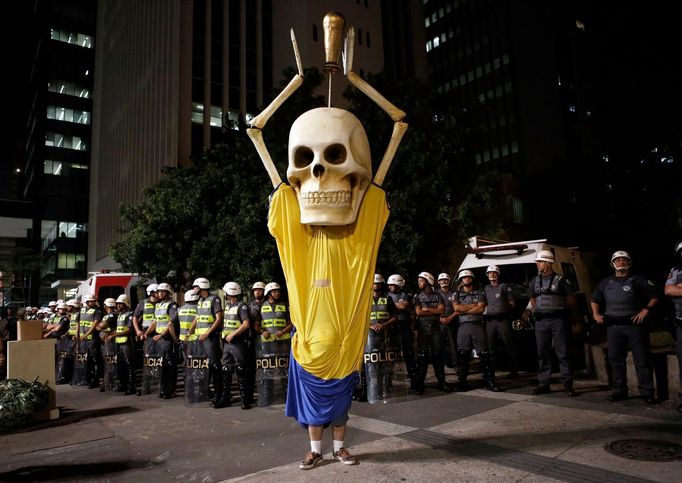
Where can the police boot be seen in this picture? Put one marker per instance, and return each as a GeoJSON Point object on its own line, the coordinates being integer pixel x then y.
{"type": "Point", "coordinates": [422, 368]}
{"type": "Point", "coordinates": [224, 385]}
{"type": "Point", "coordinates": [166, 379]}
{"type": "Point", "coordinates": [488, 371]}
{"type": "Point", "coordinates": [442, 386]}
{"type": "Point", "coordinates": [462, 370]}
{"type": "Point", "coordinates": [243, 380]}
{"type": "Point", "coordinates": [568, 389]}
{"type": "Point", "coordinates": [217, 380]}
{"type": "Point", "coordinates": [93, 380]}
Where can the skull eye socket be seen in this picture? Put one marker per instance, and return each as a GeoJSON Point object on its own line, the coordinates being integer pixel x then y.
{"type": "Point", "coordinates": [303, 156]}
{"type": "Point", "coordinates": [335, 154]}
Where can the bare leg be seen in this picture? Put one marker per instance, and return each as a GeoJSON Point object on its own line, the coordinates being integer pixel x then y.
{"type": "Point", "coordinates": [315, 432]}
{"type": "Point", "coordinates": [337, 431]}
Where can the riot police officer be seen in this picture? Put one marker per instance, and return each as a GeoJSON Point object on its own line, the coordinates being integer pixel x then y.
{"type": "Point", "coordinates": [165, 321]}
{"type": "Point", "coordinates": [90, 316]}
{"type": "Point", "coordinates": [68, 344]}
{"type": "Point", "coordinates": [381, 340]}
{"type": "Point", "coordinates": [195, 358]}
{"type": "Point", "coordinates": [403, 304]}
{"type": "Point", "coordinates": [208, 325]}
{"type": "Point", "coordinates": [234, 357]}
{"type": "Point", "coordinates": [470, 303]}
{"type": "Point", "coordinates": [551, 298]}
{"type": "Point", "coordinates": [274, 328]}
{"type": "Point", "coordinates": [448, 320]}
{"type": "Point", "coordinates": [253, 338]}
{"type": "Point", "coordinates": [623, 301]}
{"type": "Point", "coordinates": [498, 317]}
{"type": "Point", "coordinates": [428, 308]}
{"type": "Point", "coordinates": [673, 289]}
{"type": "Point", "coordinates": [106, 329]}
{"type": "Point", "coordinates": [123, 337]}
{"type": "Point", "coordinates": [143, 316]}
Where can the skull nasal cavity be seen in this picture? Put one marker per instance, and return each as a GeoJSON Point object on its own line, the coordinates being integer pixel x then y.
{"type": "Point", "coordinates": [335, 154]}
{"type": "Point", "coordinates": [318, 170]}
{"type": "Point", "coordinates": [303, 156]}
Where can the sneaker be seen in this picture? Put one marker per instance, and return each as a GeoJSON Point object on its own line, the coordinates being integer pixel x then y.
{"type": "Point", "coordinates": [345, 457]}
{"type": "Point", "coordinates": [310, 461]}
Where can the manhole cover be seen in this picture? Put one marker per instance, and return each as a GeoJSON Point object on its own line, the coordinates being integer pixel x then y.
{"type": "Point", "coordinates": [645, 449]}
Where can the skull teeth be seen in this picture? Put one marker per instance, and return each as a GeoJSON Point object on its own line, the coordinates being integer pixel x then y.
{"type": "Point", "coordinates": [311, 198]}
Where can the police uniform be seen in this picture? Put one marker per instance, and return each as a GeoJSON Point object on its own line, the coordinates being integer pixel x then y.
{"type": "Point", "coordinates": [620, 299]}
{"type": "Point", "coordinates": [252, 341]}
{"type": "Point", "coordinates": [405, 331]}
{"type": "Point", "coordinates": [109, 350]}
{"type": "Point", "coordinates": [68, 344]}
{"type": "Point", "coordinates": [207, 309]}
{"type": "Point", "coordinates": [235, 353]}
{"type": "Point", "coordinates": [125, 365]}
{"type": "Point", "coordinates": [429, 342]}
{"type": "Point", "coordinates": [144, 313]}
{"type": "Point", "coordinates": [471, 335]}
{"type": "Point", "coordinates": [380, 350]}
{"type": "Point", "coordinates": [675, 278]}
{"type": "Point", "coordinates": [165, 314]}
{"type": "Point", "coordinates": [449, 332]}
{"type": "Point", "coordinates": [498, 318]}
{"type": "Point", "coordinates": [90, 345]}
{"type": "Point", "coordinates": [273, 351]}
{"type": "Point", "coordinates": [63, 345]}
{"type": "Point", "coordinates": [551, 326]}
{"type": "Point", "coordinates": [196, 365]}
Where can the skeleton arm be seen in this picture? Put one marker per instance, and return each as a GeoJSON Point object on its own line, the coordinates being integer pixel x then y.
{"type": "Point", "coordinates": [396, 114]}
{"type": "Point", "coordinates": [258, 122]}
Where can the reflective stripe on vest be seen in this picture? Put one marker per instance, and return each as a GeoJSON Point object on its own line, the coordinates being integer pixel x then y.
{"type": "Point", "coordinates": [87, 318]}
{"type": "Point", "coordinates": [379, 311]}
{"type": "Point", "coordinates": [73, 323]}
{"type": "Point", "coordinates": [162, 316]}
{"type": "Point", "coordinates": [205, 316]}
{"type": "Point", "coordinates": [186, 315]}
{"type": "Point", "coordinates": [232, 320]}
{"type": "Point", "coordinates": [147, 314]}
{"type": "Point", "coordinates": [274, 320]}
{"type": "Point", "coordinates": [120, 327]}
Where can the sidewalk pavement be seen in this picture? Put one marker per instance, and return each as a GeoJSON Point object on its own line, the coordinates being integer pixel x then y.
{"type": "Point", "coordinates": [473, 436]}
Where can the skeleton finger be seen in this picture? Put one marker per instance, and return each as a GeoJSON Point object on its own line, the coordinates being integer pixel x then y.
{"type": "Point", "coordinates": [348, 51]}
{"type": "Point", "coordinates": [395, 113]}
{"type": "Point", "coordinates": [297, 53]}
{"type": "Point", "coordinates": [399, 129]}
{"type": "Point", "coordinates": [256, 136]}
{"type": "Point", "coordinates": [262, 118]}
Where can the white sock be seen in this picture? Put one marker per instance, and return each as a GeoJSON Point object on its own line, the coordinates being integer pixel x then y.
{"type": "Point", "coordinates": [337, 445]}
{"type": "Point", "coordinates": [316, 446]}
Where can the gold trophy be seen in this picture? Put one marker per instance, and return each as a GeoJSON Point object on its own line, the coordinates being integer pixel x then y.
{"type": "Point", "coordinates": [334, 30]}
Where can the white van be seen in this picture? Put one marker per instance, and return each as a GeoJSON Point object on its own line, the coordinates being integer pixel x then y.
{"type": "Point", "coordinates": [112, 284]}
{"type": "Point", "coordinates": [517, 266]}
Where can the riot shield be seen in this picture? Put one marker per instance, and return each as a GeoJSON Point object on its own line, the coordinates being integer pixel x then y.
{"type": "Point", "coordinates": [80, 366]}
{"type": "Point", "coordinates": [385, 371]}
{"type": "Point", "coordinates": [151, 368]}
{"type": "Point", "coordinates": [110, 356]}
{"type": "Point", "coordinates": [65, 355]}
{"type": "Point", "coordinates": [272, 366]}
{"type": "Point", "coordinates": [196, 369]}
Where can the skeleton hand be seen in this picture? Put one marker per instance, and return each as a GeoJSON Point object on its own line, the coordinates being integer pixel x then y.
{"type": "Point", "coordinates": [258, 122]}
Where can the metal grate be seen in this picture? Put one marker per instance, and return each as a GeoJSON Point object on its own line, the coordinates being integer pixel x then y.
{"type": "Point", "coordinates": [645, 449]}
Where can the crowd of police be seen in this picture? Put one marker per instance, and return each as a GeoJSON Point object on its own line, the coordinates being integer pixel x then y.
{"type": "Point", "coordinates": [102, 348]}
{"type": "Point", "coordinates": [442, 324]}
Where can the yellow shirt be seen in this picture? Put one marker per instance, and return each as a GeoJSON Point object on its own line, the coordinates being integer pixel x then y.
{"type": "Point", "coordinates": [329, 272]}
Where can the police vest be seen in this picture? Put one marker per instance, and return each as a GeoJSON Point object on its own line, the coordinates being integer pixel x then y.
{"type": "Point", "coordinates": [86, 320]}
{"type": "Point", "coordinates": [620, 297]}
{"type": "Point", "coordinates": [549, 299]}
{"type": "Point", "coordinates": [274, 318]}
{"type": "Point", "coordinates": [232, 321]}
{"type": "Point", "coordinates": [161, 315]}
{"type": "Point", "coordinates": [498, 300]}
{"type": "Point", "coordinates": [472, 297]}
{"type": "Point", "coordinates": [379, 312]}
{"type": "Point", "coordinates": [186, 315]}
{"type": "Point", "coordinates": [402, 314]}
{"type": "Point", "coordinates": [205, 315]}
{"type": "Point", "coordinates": [427, 300]}
{"type": "Point", "coordinates": [674, 278]}
{"type": "Point", "coordinates": [73, 323]}
{"type": "Point", "coordinates": [121, 326]}
{"type": "Point", "coordinates": [148, 313]}
{"type": "Point", "coordinates": [109, 319]}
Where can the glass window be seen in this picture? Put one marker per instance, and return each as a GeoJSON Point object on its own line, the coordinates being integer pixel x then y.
{"type": "Point", "coordinates": [517, 208]}
{"type": "Point", "coordinates": [74, 38]}
{"type": "Point", "coordinates": [197, 113]}
{"type": "Point", "coordinates": [515, 147]}
{"type": "Point", "coordinates": [216, 116]}
{"type": "Point", "coordinates": [427, 21]}
{"type": "Point", "coordinates": [505, 147]}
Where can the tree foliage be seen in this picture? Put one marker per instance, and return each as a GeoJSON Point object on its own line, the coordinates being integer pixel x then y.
{"type": "Point", "coordinates": [210, 218]}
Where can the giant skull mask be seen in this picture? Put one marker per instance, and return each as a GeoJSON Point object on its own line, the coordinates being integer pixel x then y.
{"type": "Point", "coordinates": [330, 165]}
